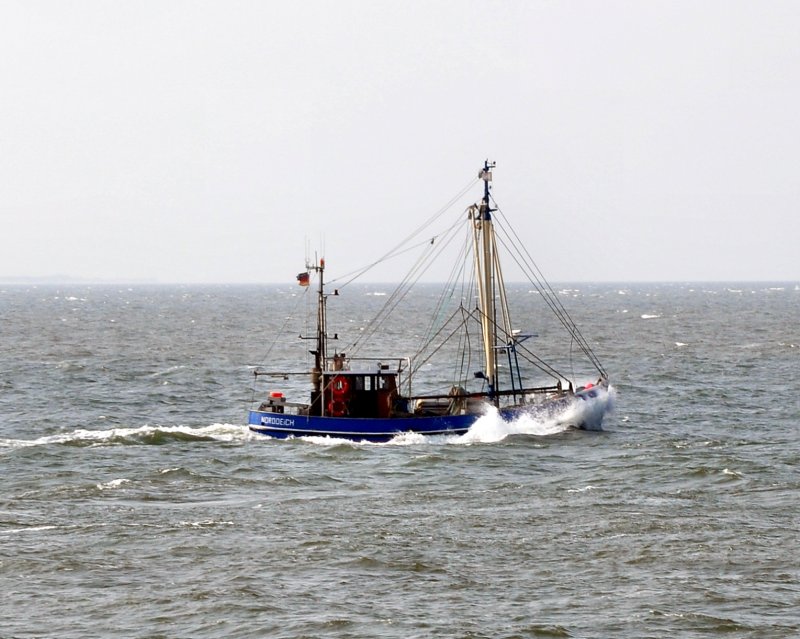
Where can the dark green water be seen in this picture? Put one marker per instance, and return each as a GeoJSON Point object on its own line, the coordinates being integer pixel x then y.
{"type": "Point", "coordinates": [135, 503]}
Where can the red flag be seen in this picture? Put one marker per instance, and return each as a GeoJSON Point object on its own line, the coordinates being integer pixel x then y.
{"type": "Point", "coordinates": [303, 279]}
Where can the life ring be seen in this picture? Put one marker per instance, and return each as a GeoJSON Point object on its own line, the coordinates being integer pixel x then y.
{"type": "Point", "coordinates": [340, 388]}
{"type": "Point", "coordinates": [337, 408]}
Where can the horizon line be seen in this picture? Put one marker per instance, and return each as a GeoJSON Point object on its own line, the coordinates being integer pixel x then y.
{"type": "Point", "coordinates": [63, 281]}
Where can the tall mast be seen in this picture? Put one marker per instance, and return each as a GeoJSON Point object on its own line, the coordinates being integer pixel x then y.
{"type": "Point", "coordinates": [484, 266]}
{"type": "Point", "coordinates": [320, 352]}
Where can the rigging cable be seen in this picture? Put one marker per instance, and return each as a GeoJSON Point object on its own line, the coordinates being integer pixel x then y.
{"type": "Point", "coordinates": [398, 249]}
{"type": "Point", "coordinates": [544, 287]}
{"type": "Point", "coordinates": [400, 292]}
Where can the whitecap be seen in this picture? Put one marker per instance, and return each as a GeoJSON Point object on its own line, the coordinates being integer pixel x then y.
{"type": "Point", "coordinates": [219, 432]}
{"type": "Point", "coordinates": [208, 523]}
{"type": "Point", "coordinates": [585, 489]}
{"type": "Point", "coordinates": [114, 483]}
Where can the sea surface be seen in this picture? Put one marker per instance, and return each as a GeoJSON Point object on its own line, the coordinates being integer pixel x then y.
{"type": "Point", "coordinates": [136, 503]}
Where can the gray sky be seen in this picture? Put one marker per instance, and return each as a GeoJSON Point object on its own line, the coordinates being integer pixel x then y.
{"type": "Point", "coordinates": [213, 141]}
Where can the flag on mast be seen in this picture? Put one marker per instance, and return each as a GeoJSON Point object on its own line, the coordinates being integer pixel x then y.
{"type": "Point", "coordinates": [303, 279]}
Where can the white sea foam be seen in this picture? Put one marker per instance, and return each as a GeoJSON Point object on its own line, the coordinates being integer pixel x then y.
{"type": "Point", "coordinates": [585, 489]}
{"type": "Point", "coordinates": [491, 427]}
{"type": "Point", "coordinates": [220, 432]}
{"type": "Point", "coordinates": [114, 483]}
{"type": "Point", "coordinates": [207, 523]}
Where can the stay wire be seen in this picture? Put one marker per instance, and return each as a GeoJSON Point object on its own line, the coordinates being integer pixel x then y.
{"type": "Point", "coordinates": [399, 248]}
{"type": "Point", "coordinates": [402, 289]}
{"type": "Point", "coordinates": [550, 298]}
{"type": "Point", "coordinates": [545, 288]}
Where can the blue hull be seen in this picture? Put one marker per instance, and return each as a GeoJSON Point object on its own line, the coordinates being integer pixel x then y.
{"type": "Point", "coordinates": [382, 429]}
{"type": "Point", "coordinates": [375, 429]}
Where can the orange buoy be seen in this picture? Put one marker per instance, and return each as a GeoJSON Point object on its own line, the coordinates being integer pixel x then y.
{"type": "Point", "coordinates": [337, 408]}
{"type": "Point", "coordinates": [340, 388]}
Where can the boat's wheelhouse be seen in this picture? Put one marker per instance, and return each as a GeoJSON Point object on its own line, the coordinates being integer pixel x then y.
{"type": "Point", "coordinates": [355, 394]}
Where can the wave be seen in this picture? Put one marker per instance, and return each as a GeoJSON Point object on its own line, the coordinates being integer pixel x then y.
{"type": "Point", "coordinates": [143, 435]}
{"type": "Point", "coordinates": [492, 428]}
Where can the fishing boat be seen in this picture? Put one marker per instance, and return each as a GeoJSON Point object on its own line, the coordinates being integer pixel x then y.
{"type": "Point", "coordinates": [363, 395]}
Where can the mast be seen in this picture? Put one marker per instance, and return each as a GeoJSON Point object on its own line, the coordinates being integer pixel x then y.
{"type": "Point", "coordinates": [320, 352]}
{"type": "Point", "coordinates": [483, 243]}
